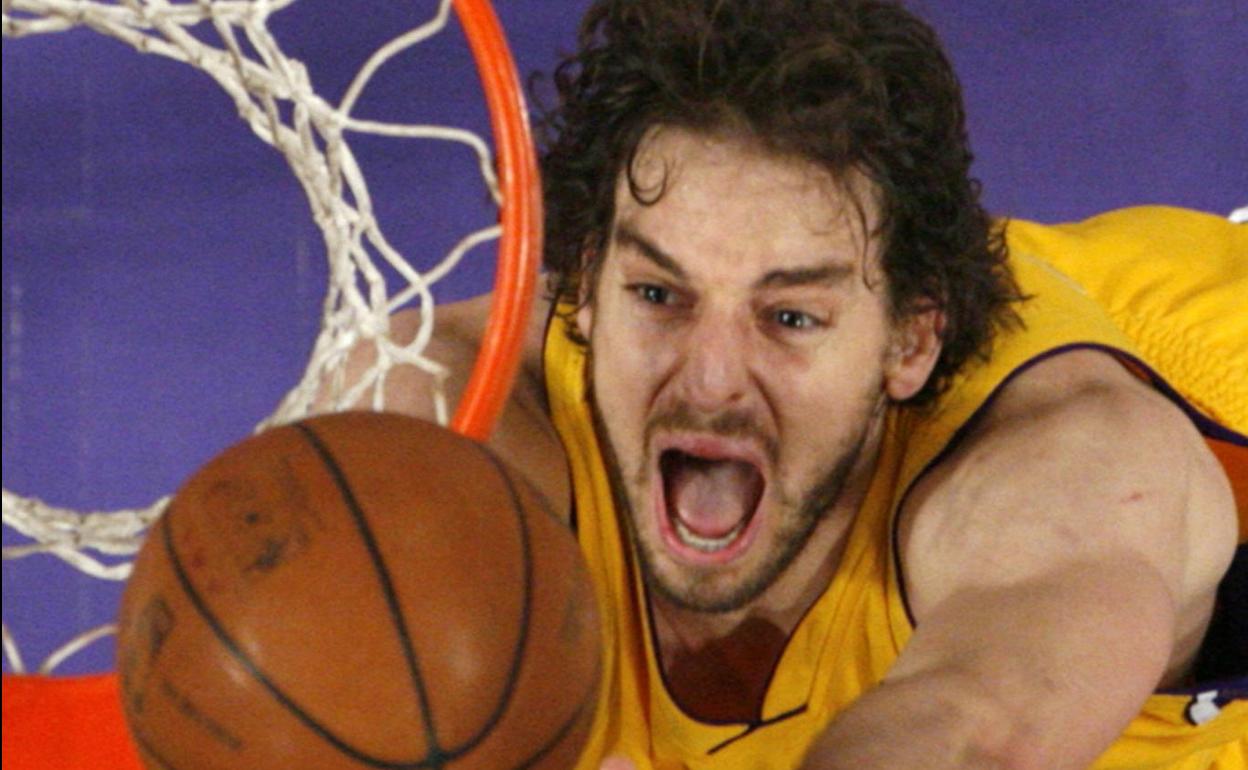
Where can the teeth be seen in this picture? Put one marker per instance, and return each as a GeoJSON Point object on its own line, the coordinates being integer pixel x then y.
{"type": "Point", "coordinates": [706, 544]}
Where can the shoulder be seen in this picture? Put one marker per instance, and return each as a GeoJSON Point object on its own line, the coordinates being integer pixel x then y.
{"type": "Point", "coordinates": [525, 436]}
{"type": "Point", "coordinates": [1075, 460]}
{"type": "Point", "coordinates": [459, 328]}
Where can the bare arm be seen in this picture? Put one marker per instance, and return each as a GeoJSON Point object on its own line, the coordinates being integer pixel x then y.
{"type": "Point", "coordinates": [524, 436]}
{"type": "Point", "coordinates": [1060, 566]}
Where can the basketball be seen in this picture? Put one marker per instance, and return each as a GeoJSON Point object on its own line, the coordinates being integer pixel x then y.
{"type": "Point", "coordinates": [358, 590]}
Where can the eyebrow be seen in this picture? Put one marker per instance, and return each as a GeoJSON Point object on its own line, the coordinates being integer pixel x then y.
{"type": "Point", "coordinates": [831, 274]}
{"type": "Point", "coordinates": [828, 274]}
{"type": "Point", "coordinates": [627, 237]}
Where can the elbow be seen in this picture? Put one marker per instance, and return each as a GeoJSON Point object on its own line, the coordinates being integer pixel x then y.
{"type": "Point", "coordinates": [992, 734]}
{"type": "Point", "coordinates": [940, 719]}
{"type": "Point", "coordinates": [983, 732]}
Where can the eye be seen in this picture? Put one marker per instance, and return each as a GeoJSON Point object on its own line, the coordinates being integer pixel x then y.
{"type": "Point", "coordinates": [651, 294]}
{"type": "Point", "coordinates": [795, 320]}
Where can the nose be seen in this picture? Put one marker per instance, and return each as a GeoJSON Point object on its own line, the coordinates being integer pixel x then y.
{"type": "Point", "coordinates": [715, 368]}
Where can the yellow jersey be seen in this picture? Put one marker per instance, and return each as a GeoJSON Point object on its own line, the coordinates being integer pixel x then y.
{"type": "Point", "coordinates": [1163, 289]}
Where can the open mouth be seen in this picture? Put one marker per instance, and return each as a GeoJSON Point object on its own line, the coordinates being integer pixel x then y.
{"type": "Point", "coordinates": [708, 502]}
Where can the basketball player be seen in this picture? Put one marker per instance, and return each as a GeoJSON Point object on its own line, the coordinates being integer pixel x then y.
{"type": "Point", "coordinates": [865, 479]}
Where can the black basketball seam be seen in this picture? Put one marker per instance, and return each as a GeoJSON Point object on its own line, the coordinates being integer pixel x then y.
{"type": "Point", "coordinates": [562, 732]}
{"type": "Point", "coordinates": [592, 691]}
{"type": "Point", "coordinates": [237, 653]}
{"type": "Point", "coordinates": [435, 756]}
{"type": "Point", "coordinates": [146, 744]}
{"type": "Point", "coordinates": [513, 673]}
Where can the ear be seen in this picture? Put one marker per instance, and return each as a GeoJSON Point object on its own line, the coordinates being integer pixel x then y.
{"type": "Point", "coordinates": [585, 316]}
{"type": "Point", "coordinates": [913, 353]}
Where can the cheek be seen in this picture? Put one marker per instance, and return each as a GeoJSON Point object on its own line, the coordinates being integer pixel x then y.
{"type": "Point", "coordinates": [818, 400]}
{"type": "Point", "coordinates": [623, 367]}
{"type": "Point", "coordinates": [629, 350]}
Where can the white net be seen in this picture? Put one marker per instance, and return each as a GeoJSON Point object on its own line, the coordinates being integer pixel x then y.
{"type": "Point", "coordinates": [229, 41]}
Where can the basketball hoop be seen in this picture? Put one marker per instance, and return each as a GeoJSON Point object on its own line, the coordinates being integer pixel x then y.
{"type": "Point", "coordinates": [274, 96]}
{"type": "Point", "coordinates": [520, 249]}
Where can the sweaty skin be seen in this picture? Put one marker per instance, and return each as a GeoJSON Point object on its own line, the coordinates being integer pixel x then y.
{"type": "Point", "coordinates": [740, 339]}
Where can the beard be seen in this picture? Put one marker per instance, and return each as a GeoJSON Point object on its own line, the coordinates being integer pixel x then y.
{"type": "Point", "coordinates": [712, 590]}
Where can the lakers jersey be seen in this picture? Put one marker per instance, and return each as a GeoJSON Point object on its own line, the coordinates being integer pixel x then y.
{"type": "Point", "coordinates": [1162, 289]}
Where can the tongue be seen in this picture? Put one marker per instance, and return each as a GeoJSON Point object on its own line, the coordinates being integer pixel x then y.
{"type": "Point", "coordinates": [711, 497]}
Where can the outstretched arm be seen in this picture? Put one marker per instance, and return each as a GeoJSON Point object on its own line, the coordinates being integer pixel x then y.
{"type": "Point", "coordinates": [524, 435]}
{"type": "Point", "coordinates": [1060, 566]}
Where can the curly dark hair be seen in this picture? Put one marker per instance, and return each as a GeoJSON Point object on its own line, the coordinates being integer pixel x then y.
{"type": "Point", "coordinates": [848, 84]}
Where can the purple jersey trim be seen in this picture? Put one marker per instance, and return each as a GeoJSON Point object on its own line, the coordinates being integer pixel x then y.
{"type": "Point", "coordinates": [1235, 688]}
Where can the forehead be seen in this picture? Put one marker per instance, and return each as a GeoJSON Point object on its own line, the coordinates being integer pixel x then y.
{"type": "Point", "coordinates": [694, 190]}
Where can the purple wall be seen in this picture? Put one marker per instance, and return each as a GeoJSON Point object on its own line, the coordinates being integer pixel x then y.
{"type": "Point", "coordinates": [162, 276]}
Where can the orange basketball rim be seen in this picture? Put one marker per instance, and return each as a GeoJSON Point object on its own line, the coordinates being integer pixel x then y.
{"type": "Point", "coordinates": [76, 723]}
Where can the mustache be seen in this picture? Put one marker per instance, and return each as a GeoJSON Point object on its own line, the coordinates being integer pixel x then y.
{"type": "Point", "coordinates": [735, 424]}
